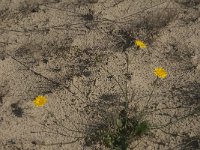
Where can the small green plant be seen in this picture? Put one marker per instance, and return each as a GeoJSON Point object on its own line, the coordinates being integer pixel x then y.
{"type": "Point", "coordinates": [119, 132]}
{"type": "Point", "coordinates": [120, 128]}
{"type": "Point", "coordinates": [123, 130]}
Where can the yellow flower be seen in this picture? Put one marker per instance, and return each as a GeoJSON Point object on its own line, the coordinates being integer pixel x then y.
{"type": "Point", "coordinates": [160, 72]}
{"type": "Point", "coordinates": [40, 101]}
{"type": "Point", "coordinates": [140, 44]}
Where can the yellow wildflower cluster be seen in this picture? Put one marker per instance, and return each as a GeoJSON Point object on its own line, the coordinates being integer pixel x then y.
{"type": "Point", "coordinates": [159, 72]}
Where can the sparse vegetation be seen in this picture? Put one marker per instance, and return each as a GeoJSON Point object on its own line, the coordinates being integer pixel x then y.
{"type": "Point", "coordinates": [28, 7]}
{"type": "Point", "coordinates": [118, 131]}
{"type": "Point", "coordinates": [87, 57]}
{"type": "Point", "coordinates": [188, 94]}
{"type": "Point", "coordinates": [188, 3]}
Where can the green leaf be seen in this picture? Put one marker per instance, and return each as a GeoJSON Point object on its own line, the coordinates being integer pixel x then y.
{"type": "Point", "coordinates": [119, 123]}
{"type": "Point", "coordinates": [142, 128]}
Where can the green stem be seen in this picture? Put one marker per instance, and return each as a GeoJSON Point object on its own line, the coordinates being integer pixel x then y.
{"type": "Point", "coordinates": [150, 96]}
{"type": "Point", "coordinates": [124, 94]}
{"type": "Point", "coordinates": [127, 70]}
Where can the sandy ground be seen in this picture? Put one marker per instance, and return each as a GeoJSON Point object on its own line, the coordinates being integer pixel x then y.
{"type": "Point", "coordinates": [57, 48]}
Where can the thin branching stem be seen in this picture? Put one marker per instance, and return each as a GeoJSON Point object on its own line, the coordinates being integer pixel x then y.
{"type": "Point", "coordinates": [173, 122]}
{"type": "Point", "coordinates": [61, 143]}
{"type": "Point", "coordinates": [149, 99]}
{"type": "Point", "coordinates": [126, 88]}
{"type": "Point", "coordinates": [121, 88]}
{"type": "Point", "coordinates": [59, 123]}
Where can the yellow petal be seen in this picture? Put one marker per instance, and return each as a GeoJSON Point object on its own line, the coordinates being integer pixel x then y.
{"type": "Point", "coordinates": [140, 44]}
{"type": "Point", "coordinates": [40, 101]}
{"type": "Point", "coordinates": [160, 72]}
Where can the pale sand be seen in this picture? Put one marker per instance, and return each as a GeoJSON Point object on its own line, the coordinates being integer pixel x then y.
{"type": "Point", "coordinates": [36, 36]}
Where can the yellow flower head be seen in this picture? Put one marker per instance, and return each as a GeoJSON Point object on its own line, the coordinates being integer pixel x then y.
{"type": "Point", "coordinates": [140, 44]}
{"type": "Point", "coordinates": [40, 101]}
{"type": "Point", "coordinates": [160, 72]}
